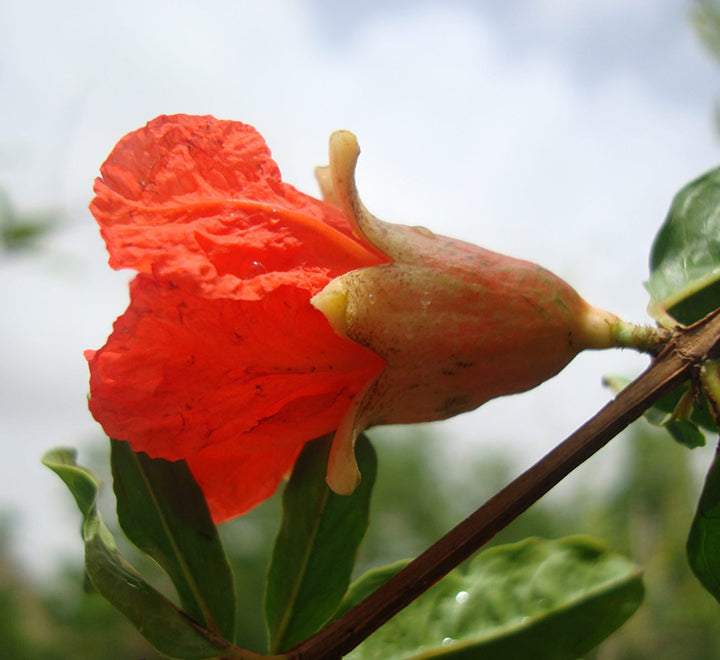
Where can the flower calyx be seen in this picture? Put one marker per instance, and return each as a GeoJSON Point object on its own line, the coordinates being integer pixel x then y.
{"type": "Point", "coordinates": [456, 324]}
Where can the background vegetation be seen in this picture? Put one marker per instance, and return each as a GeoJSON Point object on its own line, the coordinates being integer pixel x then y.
{"type": "Point", "coordinates": [644, 515]}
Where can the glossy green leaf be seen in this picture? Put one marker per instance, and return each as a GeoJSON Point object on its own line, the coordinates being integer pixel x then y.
{"type": "Point", "coordinates": [703, 545]}
{"type": "Point", "coordinates": [545, 600]}
{"type": "Point", "coordinates": [163, 512]}
{"type": "Point", "coordinates": [316, 546]}
{"type": "Point", "coordinates": [167, 628]}
{"type": "Point", "coordinates": [685, 258]}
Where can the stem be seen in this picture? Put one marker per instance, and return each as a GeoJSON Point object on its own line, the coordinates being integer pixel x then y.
{"type": "Point", "coordinates": [685, 349]}
{"type": "Point", "coordinates": [644, 338]}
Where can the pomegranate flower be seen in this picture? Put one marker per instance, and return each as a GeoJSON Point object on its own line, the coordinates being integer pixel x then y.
{"type": "Point", "coordinates": [262, 318]}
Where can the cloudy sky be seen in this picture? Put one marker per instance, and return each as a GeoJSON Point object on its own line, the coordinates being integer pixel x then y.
{"type": "Point", "coordinates": [555, 130]}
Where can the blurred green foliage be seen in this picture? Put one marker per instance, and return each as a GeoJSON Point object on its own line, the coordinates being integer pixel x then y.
{"type": "Point", "coordinates": [705, 18]}
{"type": "Point", "coordinates": [644, 515]}
{"type": "Point", "coordinates": [22, 231]}
{"type": "Point", "coordinates": [58, 620]}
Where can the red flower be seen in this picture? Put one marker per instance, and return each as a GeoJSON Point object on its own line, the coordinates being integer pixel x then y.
{"type": "Point", "coordinates": [220, 359]}
{"type": "Point", "coordinates": [262, 318]}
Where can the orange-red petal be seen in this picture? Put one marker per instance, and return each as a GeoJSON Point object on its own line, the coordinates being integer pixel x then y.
{"type": "Point", "coordinates": [235, 477]}
{"type": "Point", "coordinates": [236, 387]}
{"type": "Point", "coordinates": [199, 201]}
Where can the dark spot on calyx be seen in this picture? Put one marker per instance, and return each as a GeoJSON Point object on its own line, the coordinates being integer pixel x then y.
{"type": "Point", "coordinates": [454, 405]}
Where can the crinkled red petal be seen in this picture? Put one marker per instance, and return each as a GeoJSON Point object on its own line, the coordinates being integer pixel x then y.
{"type": "Point", "coordinates": [199, 201]}
{"type": "Point", "coordinates": [235, 479]}
{"type": "Point", "coordinates": [236, 387]}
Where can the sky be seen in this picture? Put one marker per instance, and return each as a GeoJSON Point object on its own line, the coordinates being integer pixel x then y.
{"type": "Point", "coordinates": [553, 130]}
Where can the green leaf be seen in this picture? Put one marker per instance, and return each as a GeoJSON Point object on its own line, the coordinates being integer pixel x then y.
{"type": "Point", "coordinates": [677, 412]}
{"type": "Point", "coordinates": [703, 545]}
{"type": "Point", "coordinates": [545, 600]}
{"type": "Point", "coordinates": [367, 583]}
{"type": "Point", "coordinates": [163, 512]}
{"type": "Point", "coordinates": [316, 546]}
{"type": "Point", "coordinates": [686, 432]}
{"type": "Point", "coordinates": [167, 628]}
{"type": "Point", "coordinates": [685, 258]}
{"type": "Point", "coordinates": [668, 404]}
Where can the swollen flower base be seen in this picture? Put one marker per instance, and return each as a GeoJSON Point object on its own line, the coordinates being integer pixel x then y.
{"type": "Point", "coordinates": [262, 318]}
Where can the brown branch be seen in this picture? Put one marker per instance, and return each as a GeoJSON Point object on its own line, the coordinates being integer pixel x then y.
{"type": "Point", "coordinates": [687, 349]}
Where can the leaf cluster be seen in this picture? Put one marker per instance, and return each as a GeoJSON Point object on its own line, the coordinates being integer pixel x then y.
{"type": "Point", "coordinates": [511, 597]}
